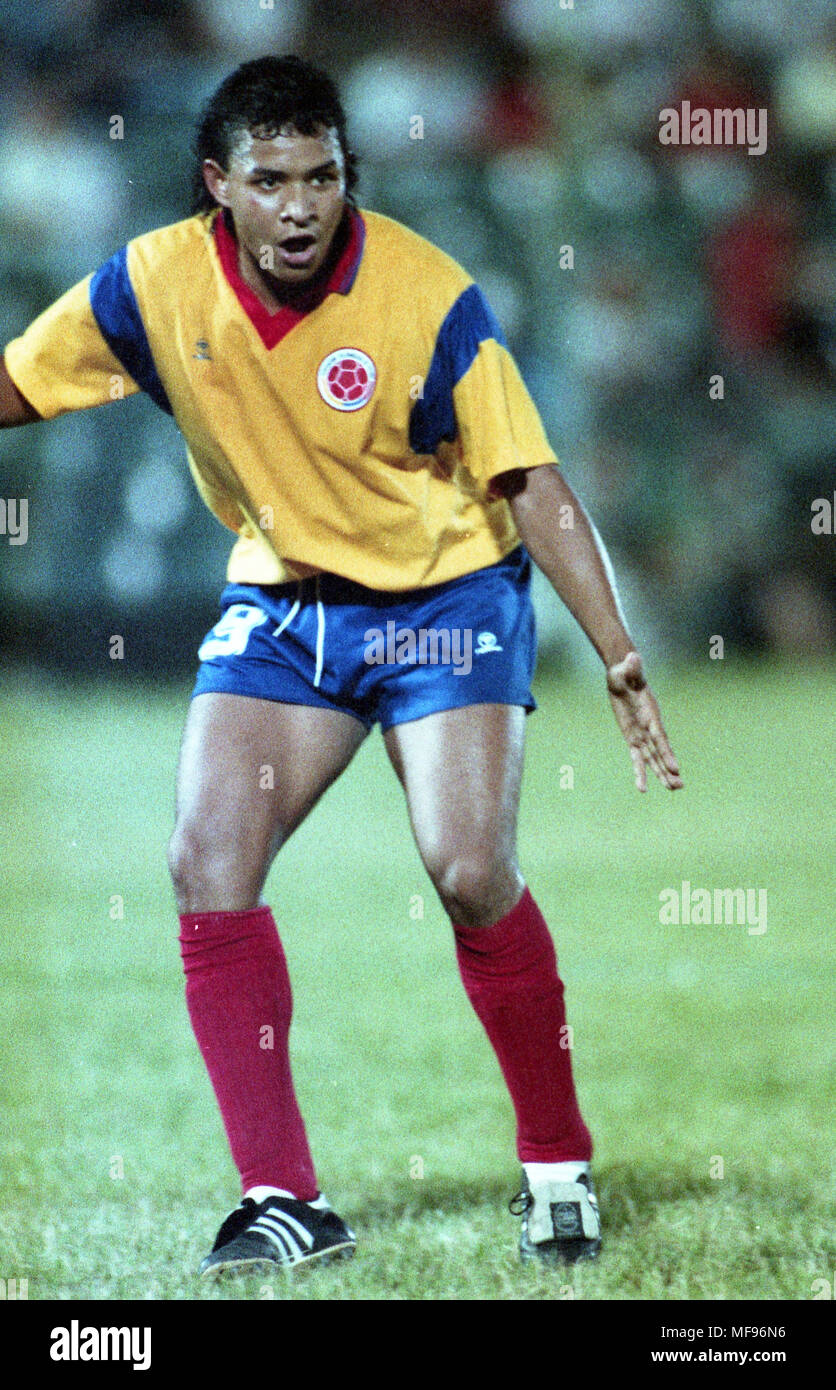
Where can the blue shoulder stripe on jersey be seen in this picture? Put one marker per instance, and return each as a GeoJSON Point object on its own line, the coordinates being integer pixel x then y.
{"type": "Point", "coordinates": [116, 311]}
{"type": "Point", "coordinates": [470, 321]}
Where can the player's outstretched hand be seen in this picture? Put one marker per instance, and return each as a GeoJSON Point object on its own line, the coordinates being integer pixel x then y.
{"type": "Point", "coordinates": [637, 712]}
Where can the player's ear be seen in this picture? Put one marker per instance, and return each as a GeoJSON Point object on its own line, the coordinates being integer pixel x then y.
{"type": "Point", "coordinates": [217, 181]}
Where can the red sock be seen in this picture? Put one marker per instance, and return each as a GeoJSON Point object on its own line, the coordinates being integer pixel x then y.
{"type": "Point", "coordinates": [240, 1004]}
{"type": "Point", "coordinates": [509, 971]}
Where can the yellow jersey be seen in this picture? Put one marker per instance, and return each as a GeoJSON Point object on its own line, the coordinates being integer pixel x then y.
{"type": "Point", "coordinates": [359, 435]}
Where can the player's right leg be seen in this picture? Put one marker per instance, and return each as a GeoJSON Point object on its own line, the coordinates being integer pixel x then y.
{"type": "Point", "coordinates": [250, 770]}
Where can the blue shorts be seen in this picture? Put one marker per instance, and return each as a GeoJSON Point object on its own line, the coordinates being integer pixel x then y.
{"type": "Point", "coordinates": [387, 657]}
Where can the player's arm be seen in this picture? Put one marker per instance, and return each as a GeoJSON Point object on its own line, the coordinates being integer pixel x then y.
{"type": "Point", "coordinates": [574, 560]}
{"type": "Point", "coordinates": [14, 407]}
{"type": "Point", "coordinates": [75, 354]}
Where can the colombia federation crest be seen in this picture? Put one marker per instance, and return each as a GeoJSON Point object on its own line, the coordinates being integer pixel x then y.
{"type": "Point", "coordinates": [346, 378]}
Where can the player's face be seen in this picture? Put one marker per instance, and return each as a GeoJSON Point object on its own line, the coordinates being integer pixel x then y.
{"type": "Point", "coordinates": [286, 196]}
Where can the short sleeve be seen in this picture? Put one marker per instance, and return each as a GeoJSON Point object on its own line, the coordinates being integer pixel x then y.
{"type": "Point", "coordinates": [62, 362]}
{"type": "Point", "coordinates": [88, 348]}
{"type": "Point", "coordinates": [474, 393]}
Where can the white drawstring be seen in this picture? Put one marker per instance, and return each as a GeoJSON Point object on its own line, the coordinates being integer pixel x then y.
{"type": "Point", "coordinates": [320, 635]}
{"type": "Point", "coordinates": [320, 628]}
{"type": "Point", "coordinates": [289, 619]}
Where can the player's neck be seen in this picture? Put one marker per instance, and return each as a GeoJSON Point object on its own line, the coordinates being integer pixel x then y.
{"type": "Point", "coordinates": [276, 294]}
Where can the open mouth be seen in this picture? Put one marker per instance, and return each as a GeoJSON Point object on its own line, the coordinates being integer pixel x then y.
{"type": "Point", "coordinates": [298, 250]}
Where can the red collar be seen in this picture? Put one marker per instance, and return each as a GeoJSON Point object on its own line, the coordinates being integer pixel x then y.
{"type": "Point", "coordinates": [272, 328]}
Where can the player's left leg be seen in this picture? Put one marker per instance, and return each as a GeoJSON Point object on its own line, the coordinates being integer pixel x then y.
{"type": "Point", "coordinates": [461, 770]}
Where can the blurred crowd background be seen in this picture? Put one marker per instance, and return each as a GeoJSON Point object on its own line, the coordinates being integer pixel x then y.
{"type": "Point", "coordinates": [540, 133]}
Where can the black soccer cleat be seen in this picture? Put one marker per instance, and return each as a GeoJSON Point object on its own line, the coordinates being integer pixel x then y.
{"type": "Point", "coordinates": [278, 1231]}
{"type": "Point", "coordinates": [560, 1224]}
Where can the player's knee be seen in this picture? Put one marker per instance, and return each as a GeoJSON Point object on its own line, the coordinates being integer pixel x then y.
{"type": "Point", "coordinates": [188, 859]}
{"type": "Point", "coordinates": [212, 872]}
{"type": "Point", "coordinates": [478, 889]}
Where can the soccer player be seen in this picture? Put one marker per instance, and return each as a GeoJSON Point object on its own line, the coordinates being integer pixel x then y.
{"type": "Point", "coordinates": [353, 414]}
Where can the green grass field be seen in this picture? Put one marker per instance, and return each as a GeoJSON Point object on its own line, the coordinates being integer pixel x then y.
{"type": "Point", "coordinates": [693, 1044]}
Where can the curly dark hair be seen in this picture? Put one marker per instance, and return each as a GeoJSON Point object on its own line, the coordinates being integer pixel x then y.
{"type": "Point", "coordinates": [262, 96]}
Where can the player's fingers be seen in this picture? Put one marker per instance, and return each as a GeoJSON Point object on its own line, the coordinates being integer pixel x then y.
{"type": "Point", "coordinates": [658, 766]}
{"type": "Point", "coordinates": [646, 740]}
{"type": "Point", "coordinates": [666, 763]}
{"type": "Point", "coordinates": [668, 776]}
{"type": "Point", "coordinates": [656, 730]}
{"type": "Point", "coordinates": [655, 761]}
{"type": "Point", "coordinates": [671, 780]}
{"type": "Point", "coordinates": [639, 771]}
{"type": "Point", "coordinates": [651, 731]}
{"type": "Point", "coordinates": [667, 759]}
